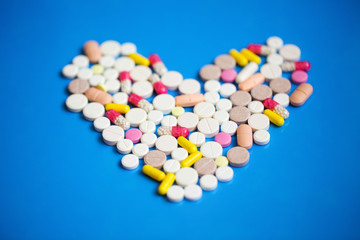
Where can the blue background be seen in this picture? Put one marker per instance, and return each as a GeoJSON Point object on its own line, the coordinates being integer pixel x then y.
{"type": "Point", "coordinates": [59, 181]}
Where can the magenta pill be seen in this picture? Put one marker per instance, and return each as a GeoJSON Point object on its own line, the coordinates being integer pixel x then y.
{"type": "Point", "coordinates": [299, 77]}
{"type": "Point", "coordinates": [134, 135]}
{"type": "Point", "coordinates": [228, 75]}
{"type": "Point", "coordinates": [223, 138]}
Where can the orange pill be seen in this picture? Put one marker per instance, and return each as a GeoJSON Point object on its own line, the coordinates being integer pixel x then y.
{"type": "Point", "coordinates": [244, 136]}
{"type": "Point", "coordinates": [96, 95]}
{"type": "Point", "coordinates": [301, 94]}
{"type": "Point", "coordinates": [92, 51]}
{"type": "Point", "coordinates": [251, 82]}
{"type": "Point", "coordinates": [189, 100]}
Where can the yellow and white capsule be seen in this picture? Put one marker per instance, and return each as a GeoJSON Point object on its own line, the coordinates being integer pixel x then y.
{"type": "Point", "coordinates": [139, 59]}
{"type": "Point", "coordinates": [166, 183]}
{"type": "Point", "coordinates": [191, 159]}
{"type": "Point", "coordinates": [189, 146]}
{"type": "Point", "coordinates": [239, 57]}
{"type": "Point", "coordinates": [120, 108]}
{"type": "Point", "coordinates": [154, 173]}
{"type": "Point", "coordinates": [274, 117]}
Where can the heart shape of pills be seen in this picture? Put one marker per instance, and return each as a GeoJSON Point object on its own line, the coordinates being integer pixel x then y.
{"type": "Point", "coordinates": [119, 75]}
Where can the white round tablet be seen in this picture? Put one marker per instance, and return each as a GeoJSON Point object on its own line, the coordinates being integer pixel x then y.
{"type": "Point", "coordinates": [282, 99]}
{"type": "Point", "coordinates": [290, 52]}
{"type": "Point", "coordinates": [224, 173]}
{"type": "Point", "coordinates": [229, 127]}
{"type": "Point", "coordinates": [85, 73]}
{"type": "Point", "coordinates": [224, 104]}
{"type": "Point", "coordinates": [112, 135]}
{"type": "Point", "coordinates": [76, 102]}
{"type": "Point", "coordinates": [211, 150]}
{"type": "Point", "coordinates": [172, 80]}
{"type": "Point", "coordinates": [179, 154]}
{"type": "Point", "coordinates": [140, 73]}
{"type": "Point", "coordinates": [111, 73]}
{"type": "Point", "coordinates": [212, 86]}
{"type": "Point", "coordinates": [107, 61]}
{"type": "Point", "coordinates": [208, 182]}
{"type": "Point", "coordinates": [261, 137]}
{"type": "Point", "coordinates": [193, 192]}
{"type": "Point", "coordinates": [275, 58]}
{"type": "Point", "coordinates": [197, 138]}
{"type": "Point", "coordinates": [140, 150]}
{"type": "Point", "coordinates": [156, 116]}
{"type": "Point", "coordinates": [175, 193]}
{"type": "Point", "coordinates": [96, 79]}
{"type": "Point", "coordinates": [189, 86]}
{"type": "Point", "coordinates": [110, 47]}
{"type": "Point", "coordinates": [120, 98]}
{"type": "Point", "coordinates": [186, 176]}
{"type": "Point", "coordinates": [209, 127]}
{"type": "Point", "coordinates": [164, 103]}
{"type": "Point", "coordinates": [169, 121]}
{"type": "Point", "coordinates": [113, 85]}
{"type": "Point", "coordinates": [143, 89]}
{"type": "Point", "coordinates": [274, 42]}
{"type": "Point", "coordinates": [124, 64]}
{"type": "Point", "coordinates": [130, 161]}
{"type": "Point", "coordinates": [166, 144]}
{"type": "Point", "coordinates": [149, 139]}
{"type": "Point", "coordinates": [81, 61]}
{"type": "Point", "coordinates": [212, 97]}
{"type": "Point", "coordinates": [128, 48]}
{"type": "Point", "coordinates": [256, 107]}
{"type": "Point", "coordinates": [270, 71]}
{"type": "Point", "coordinates": [221, 116]}
{"type": "Point", "coordinates": [258, 121]}
{"type": "Point", "coordinates": [188, 120]}
{"type": "Point", "coordinates": [93, 111]}
{"type": "Point", "coordinates": [124, 146]}
{"type": "Point", "coordinates": [70, 71]}
{"type": "Point", "coordinates": [147, 127]}
{"type": "Point", "coordinates": [204, 110]}
{"type": "Point", "coordinates": [136, 116]}
{"type": "Point", "coordinates": [171, 166]}
{"type": "Point", "coordinates": [101, 123]}
{"type": "Point", "coordinates": [227, 89]}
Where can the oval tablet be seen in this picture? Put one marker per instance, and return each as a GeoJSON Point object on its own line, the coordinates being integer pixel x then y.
{"type": "Point", "coordinates": [244, 136]}
{"type": "Point", "coordinates": [301, 94]}
{"type": "Point", "coordinates": [96, 95]}
{"type": "Point", "coordinates": [189, 100]}
{"type": "Point", "coordinates": [92, 51]}
{"type": "Point", "coordinates": [251, 82]}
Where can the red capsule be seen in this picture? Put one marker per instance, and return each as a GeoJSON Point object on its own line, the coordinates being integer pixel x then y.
{"type": "Point", "coordinates": [276, 107]}
{"type": "Point", "coordinates": [160, 88]}
{"type": "Point", "coordinates": [302, 65]}
{"type": "Point", "coordinates": [177, 131]}
{"type": "Point", "coordinates": [260, 49]}
{"type": "Point", "coordinates": [118, 119]}
{"type": "Point", "coordinates": [135, 99]}
{"type": "Point", "coordinates": [124, 75]}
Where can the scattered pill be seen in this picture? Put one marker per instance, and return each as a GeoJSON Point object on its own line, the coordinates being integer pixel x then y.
{"type": "Point", "coordinates": [274, 42]}
{"type": "Point", "coordinates": [239, 114]}
{"type": "Point", "coordinates": [189, 100]}
{"type": "Point", "coordinates": [298, 65]}
{"type": "Point", "coordinates": [274, 117]}
{"type": "Point", "coordinates": [221, 116]}
{"type": "Point", "coordinates": [171, 166]}
{"type": "Point", "coordinates": [110, 47]}
{"type": "Point", "coordinates": [154, 173]}
{"type": "Point", "coordinates": [239, 57]}
{"type": "Point", "coordinates": [212, 86]}
{"type": "Point", "coordinates": [212, 97]}
{"type": "Point", "coordinates": [159, 87]}
{"type": "Point", "coordinates": [155, 158]}
{"type": "Point", "coordinates": [147, 127]}
{"type": "Point", "coordinates": [157, 64]}
{"type": "Point", "coordinates": [210, 72]}
{"type": "Point", "coordinates": [224, 174]}
{"type": "Point", "coordinates": [81, 61]}
{"type": "Point", "coordinates": [261, 92]}
{"type": "Point", "coordinates": [113, 85]}
{"type": "Point", "coordinates": [70, 71]}
{"type": "Point", "coordinates": [186, 144]}
{"type": "Point", "coordinates": [256, 107]}
{"type": "Point", "coordinates": [134, 135]}
{"type": "Point", "coordinates": [118, 119]}
{"type": "Point", "coordinates": [128, 48]}
{"type": "Point", "coordinates": [175, 131]}
{"type": "Point", "coordinates": [93, 111]}
{"type": "Point", "coordinates": [124, 64]}
{"type": "Point", "coordinates": [96, 79]}
{"type": "Point", "coordinates": [276, 107]}
{"type": "Point", "coordinates": [107, 62]}
{"type": "Point", "coordinates": [211, 149]}
{"type": "Point", "coordinates": [261, 49]}
{"type": "Point", "coordinates": [282, 98]}
{"type": "Point", "coordinates": [290, 52]}
{"type": "Point", "coordinates": [208, 182]}
{"type": "Point", "coordinates": [189, 86]}
{"type": "Point", "coordinates": [76, 102]}
{"type": "Point", "coordinates": [204, 110]}
{"type": "Point", "coordinates": [227, 89]}
{"type": "Point", "coordinates": [205, 166]}
{"type": "Point", "coordinates": [229, 127]}
{"type": "Point", "coordinates": [149, 139]}
{"type": "Point", "coordinates": [191, 159]}
{"type": "Point", "coordinates": [166, 144]}
{"type": "Point", "coordinates": [139, 59]}
{"type": "Point", "coordinates": [130, 161]}
{"type": "Point", "coordinates": [85, 73]}
{"type": "Point", "coordinates": [228, 75]}
{"type": "Point", "coordinates": [96, 95]}
{"type": "Point", "coordinates": [164, 103]}
{"type": "Point", "coordinates": [155, 116]}
{"type": "Point", "coordinates": [136, 116]}
{"type": "Point", "coordinates": [221, 161]}
{"type": "Point", "coordinates": [224, 104]}
{"type": "Point", "coordinates": [140, 73]}
{"type": "Point", "coordinates": [251, 57]}
{"type": "Point", "coordinates": [251, 82]}
{"type": "Point", "coordinates": [166, 183]}
{"type": "Point", "coordinates": [175, 193]}
{"type": "Point", "coordinates": [172, 80]}
{"type": "Point", "coordinates": [140, 150]}
{"type": "Point", "coordinates": [179, 154]}
{"type": "Point", "coordinates": [193, 192]}
{"type": "Point", "coordinates": [280, 85]}
{"type": "Point", "coordinates": [299, 77]}
{"type": "Point", "coordinates": [78, 86]}
{"type": "Point", "coordinates": [261, 137]}
{"type": "Point", "coordinates": [238, 156]}
{"type": "Point", "coordinates": [197, 138]}
{"type": "Point", "coordinates": [247, 72]}
{"type": "Point", "coordinates": [101, 123]}
{"type": "Point", "coordinates": [209, 127]}
{"type": "Point", "coordinates": [177, 111]}
{"type": "Point", "coordinates": [124, 146]}
{"type": "Point", "coordinates": [92, 51]}
{"type": "Point", "coordinates": [225, 62]}
{"type": "Point", "coordinates": [144, 89]}
{"type": "Point", "coordinates": [112, 135]}
{"type": "Point", "coordinates": [169, 121]}
{"type": "Point", "coordinates": [188, 120]}
{"type": "Point", "coordinates": [97, 69]}
{"type": "Point", "coordinates": [301, 94]}
{"type": "Point", "coordinates": [186, 176]}
{"type": "Point", "coordinates": [258, 121]}
{"type": "Point", "coordinates": [244, 136]}
{"type": "Point", "coordinates": [240, 98]}
{"type": "Point", "coordinates": [270, 71]}
{"type": "Point", "coordinates": [275, 59]}
{"type": "Point", "coordinates": [120, 108]}
{"type": "Point", "coordinates": [224, 139]}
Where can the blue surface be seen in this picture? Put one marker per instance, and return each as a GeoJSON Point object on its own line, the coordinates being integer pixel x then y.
{"type": "Point", "coordinates": [59, 181]}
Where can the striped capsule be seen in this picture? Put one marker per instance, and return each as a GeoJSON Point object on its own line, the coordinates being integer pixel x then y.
{"type": "Point", "coordinates": [191, 159]}
{"type": "Point", "coordinates": [250, 56]}
{"type": "Point", "coordinates": [274, 117]}
{"type": "Point", "coordinates": [139, 59]}
{"type": "Point", "coordinates": [166, 183]}
{"type": "Point", "coordinates": [239, 57]}
{"type": "Point", "coordinates": [120, 108]}
{"type": "Point", "coordinates": [276, 108]}
{"type": "Point", "coordinates": [189, 146]}
{"type": "Point", "coordinates": [259, 49]}
{"type": "Point", "coordinates": [154, 173]}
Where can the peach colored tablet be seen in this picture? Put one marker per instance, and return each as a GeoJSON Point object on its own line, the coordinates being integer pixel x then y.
{"type": "Point", "coordinates": [301, 94]}
{"type": "Point", "coordinates": [244, 136]}
{"type": "Point", "coordinates": [251, 82]}
{"type": "Point", "coordinates": [189, 100]}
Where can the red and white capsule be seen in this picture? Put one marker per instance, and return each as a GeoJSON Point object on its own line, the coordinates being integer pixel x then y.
{"type": "Point", "coordinates": [259, 49]}
{"type": "Point", "coordinates": [157, 84]}
{"type": "Point", "coordinates": [174, 131]}
{"type": "Point", "coordinates": [118, 119]}
{"type": "Point", "coordinates": [292, 66]}
{"type": "Point", "coordinates": [276, 107]}
{"type": "Point", "coordinates": [140, 102]}
{"type": "Point", "coordinates": [125, 82]}
{"type": "Point", "coordinates": [157, 64]}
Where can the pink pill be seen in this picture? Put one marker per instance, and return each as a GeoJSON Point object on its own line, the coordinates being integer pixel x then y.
{"type": "Point", "coordinates": [134, 135]}
{"type": "Point", "coordinates": [223, 138]}
{"type": "Point", "coordinates": [299, 77]}
{"type": "Point", "coordinates": [228, 75]}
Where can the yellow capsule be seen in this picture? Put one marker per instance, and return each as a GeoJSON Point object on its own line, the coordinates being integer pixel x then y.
{"type": "Point", "coordinates": [139, 59]}
{"type": "Point", "coordinates": [102, 87]}
{"type": "Point", "coordinates": [189, 146]}
{"type": "Point", "coordinates": [166, 183]}
{"type": "Point", "coordinates": [97, 69]}
{"type": "Point", "coordinates": [252, 57]}
{"type": "Point", "coordinates": [120, 108]}
{"type": "Point", "coordinates": [191, 159]}
{"type": "Point", "coordinates": [154, 173]}
{"type": "Point", "coordinates": [239, 58]}
{"type": "Point", "coordinates": [274, 117]}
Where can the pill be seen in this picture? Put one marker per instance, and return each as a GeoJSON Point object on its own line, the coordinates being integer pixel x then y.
{"type": "Point", "coordinates": [156, 116]}
{"type": "Point", "coordinates": [171, 166]}
{"type": "Point", "coordinates": [76, 102]}
{"type": "Point", "coordinates": [256, 107]}
{"type": "Point", "coordinates": [225, 61]}
{"type": "Point", "coordinates": [147, 127]}
{"type": "Point", "coordinates": [179, 154]}
{"type": "Point", "coordinates": [239, 114]}
{"type": "Point", "coordinates": [227, 89]}
{"type": "Point", "coordinates": [204, 110]}
{"type": "Point", "coordinates": [117, 119]}
{"type": "Point", "coordinates": [229, 127]}
{"type": "Point", "coordinates": [92, 51]}
{"type": "Point", "coordinates": [270, 71]}
{"type": "Point", "coordinates": [134, 135]}
{"type": "Point", "coordinates": [247, 72]}
{"type": "Point", "coordinates": [224, 139]}
{"type": "Point", "coordinates": [85, 73]}
{"type": "Point", "coordinates": [166, 144]}
{"type": "Point", "coordinates": [124, 64]}
{"type": "Point", "coordinates": [124, 146]}
{"type": "Point", "coordinates": [169, 121]}
{"type": "Point", "coordinates": [259, 49]}
{"type": "Point", "coordinates": [211, 149]}
{"type": "Point", "coordinates": [205, 166]}
{"type": "Point", "coordinates": [110, 47]}
{"type": "Point", "coordinates": [130, 162]}
{"type": "Point", "coordinates": [282, 98]}
{"type": "Point", "coordinates": [107, 62]}
{"type": "Point", "coordinates": [251, 82]}
{"type": "Point", "coordinates": [166, 183]}
{"type": "Point", "coordinates": [210, 72]}
{"type": "Point", "coordinates": [154, 173]}
{"type": "Point", "coordinates": [193, 192]}
{"type": "Point", "coordinates": [157, 64]}
{"type": "Point", "coordinates": [139, 59]}
{"type": "Point", "coordinates": [276, 107]}
{"type": "Point", "coordinates": [209, 127]}
{"type": "Point", "coordinates": [96, 95]}
{"type": "Point", "coordinates": [274, 117]}
{"type": "Point", "coordinates": [96, 79]}
{"type": "Point", "coordinates": [186, 144]}
{"type": "Point", "coordinates": [140, 150]}
{"type": "Point", "coordinates": [301, 94]}
{"type": "Point", "coordinates": [298, 65]}
{"type": "Point", "coordinates": [212, 86]}
{"type": "Point", "coordinates": [140, 102]}
{"type": "Point", "coordinates": [299, 77]}
{"type": "Point", "coordinates": [208, 182]}
{"type": "Point", "coordinates": [112, 135]}
{"type": "Point", "coordinates": [290, 52]}
{"type": "Point", "coordinates": [113, 85]}
{"type": "Point", "coordinates": [175, 193]}
{"type": "Point", "coordinates": [149, 139]}
{"type": "Point", "coordinates": [172, 80]}
{"type": "Point", "coordinates": [164, 103]}
{"type": "Point", "coordinates": [97, 69]}
{"type": "Point", "coordinates": [224, 104]}
{"type": "Point", "coordinates": [197, 138]}
{"type": "Point", "coordinates": [239, 57]}
{"type": "Point", "coordinates": [158, 86]}
{"type": "Point", "coordinates": [189, 86]}
{"type": "Point", "coordinates": [70, 71]}
{"type": "Point", "coordinates": [224, 174]}
{"type": "Point", "coordinates": [274, 42]}
{"type": "Point", "coordinates": [101, 123]}
{"type": "Point", "coordinates": [261, 92]}
{"type": "Point", "coordinates": [261, 137]}
{"type": "Point", "coordinates": [191, 159]}
{"type": "Point", "coordinates": [93, 111]}
{"type": "Point", "coordinates": [258, 121]}
{"type": "Point", "coordinates": [125, 82]}
{"type": "Point", "coordinates": [81, 61]}
{"type": "Point", "coordinates": [244, 136]}
{"type": "Point", "coordinates": [155, 158]}
{"type": "Point", "coordinates": [128, 48]}
{"type": "Point", "coordinates": [177, 111]}
{"type": "Point", "coordinates": [240, 98]}
{"type": "Point", "coordinates": [120, 108]}
{"type": "Point", "coordinates": [78, 86]}
{"type": "Point", "coordinates": [221, 161]}
{"type": "Point", "coordinates": [280, 85]}
{"type": "Point", "coordinates": [175, 131]}
{"type": "Point", "coordinates": [186, 176]}
{"type": "Point", "coordinates": [140, 73]}
{"type": "Point", "coordinates": [189, 100]}
{"type": "Point", "coordinates": [238, 156]}
{"type": "Point", "coordinates": [228, 75]}
{"type": "Point", "coordinates": [275, 59]}
{"type": "Point", "coordinates": [188, 120]}
{"type": "Point", "coordinates": [221, 116]}
{"type": "Point", "coordinates": [102, 87]}
{"type": "Point", "coordinates": [136, 116]}
{"type": "Point", "coordinates": [143, 89]}
{"type": "Point", "coordinates": [251, 57]}
{"type": "Point", "coordinates": [212, 97]}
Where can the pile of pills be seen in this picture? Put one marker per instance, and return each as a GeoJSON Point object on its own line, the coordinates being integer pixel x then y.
{"type": "Point", "coordinates": [181, 139]}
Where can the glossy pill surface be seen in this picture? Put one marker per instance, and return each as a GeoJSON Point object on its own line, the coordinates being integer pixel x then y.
{"type": "Point", "coordinates": [92, 51]}
{"type": "Point", "coordinates": [189, 146]}
{"type": "Point", "coordinates": [166, 183]}
{"type": "Point", "coordinates": [191, 159]}
{"type": "Point", "coordinates": [239, 58]}
{"type": "Point", "coordinates": [244, 136]}
{"type": "Point", "coordinates": [154, 173]}
{"type": "Point", "coordinates": [120, 108]}
{"type": "Point", "coordinates": [301, 94]}
{"type": "Point", "coordinates": [274, 118]}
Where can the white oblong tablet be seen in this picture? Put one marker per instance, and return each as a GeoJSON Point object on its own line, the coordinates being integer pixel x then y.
{"type": "Point", "coordinates": [110, 47]}
{"type": "Point", "coordinates": [172, 80]}
{"type": "Point", "coordinates": [124, 64]}
{"type": "Point", "coordinates": [140, 73]}
{"type": "Point", "coordinates": [197, 138]}
{"type": "Point", "coordinates": [193, 192]}
{"type": "Point", "coordinates": [169, 121]}
{"type": "Point", "coordinates": [175, 193]}
{"type": "Point", "coordinates": [149, 139]}
{"type": "Point", "coordinates": [96, 79]}
{"type": "Point", "coordinates": [282, 98]}
{"type": "Point", "coordinates": [229, 127]}
{"type": "Point", "coordinates": [212, 97]}
{"type": "Point", "coordinates": [81, 61]}
{"type": "Point", "coordinates": [156, 116]}
{"type": "Point", "coordinates": [208, 182]}
{"type": "Point", "coordinates": [70, 71]}
{"type": "Point", "coordinates": [256, 107]}
{"type": "Point", "coordinates": [211, 150]}
{"type": "Point", "coordinates": [270, 71]}
{"type": "Point", "coordinates": [124, 146]}
{"type": "Point", "coordinates": [224, 173]}
{"type": "Point", "coordinates": [76, 102]}
{"type": "Point", "coordinates": [204, 110]}
{"type": "Point", "coordinates": [209, 127]}
{"type": "Point", "coordinates": [85, 73]}
{"type": "Point", "coordinates": [128, 48]}
{"type": "Point", "coordinates": [221, 116]}
{"type": "Point", "coordinates": [113, 85]}
{"type": "Point", "coordinates": [130, 161]}
{"type": "Point", "coordinates": [179, 154]}
{"type": "Point", "coordinates": [93, 111]}
{"type": "Point", "coordinates": [227, 89]}
{"type": "Point", "coordinates": [112, 135]}
{"type": "Point", "coordinates": [111, 73]}
{"type": "Point", "coordinates": [136, 116]}
{"type": "Point", "coordinates": [107, 61]}
{"type": "Point", "coordinates": [189, 86]}
{"type": "Point", "coordinates": [186, 176]}
{"type": "Point", "coordinates": [274, 42]}
{"type": "Point", "coordinates": [164, 103]}
{"type": "Point", "coordinates": [212, 86]}
{"type": "Point", "coordinates": [224, 104]}
{"type": "Point", "coordinates": [144, 89]}
{"type": "Point", "coordinates": [188, 120]}
{"type": "Point", "coordinates": [120, 98]}
{"type": "Point", "coordinates": [147, 127]}
{"type": "Point", "coordinates": [261, 137]}
{"type": "Point", "coordinates": [259, 121]}
{"type": "Point", "coordinates": [171, 166]}
{"type": "Point", "coordinates": [275, 58]}
{"type": "Point", "coordinates": [166, 144]}
{"type": "Point", "coordinates": [140, 150]}
{"type": "Point", "coordinates": [101, 123]}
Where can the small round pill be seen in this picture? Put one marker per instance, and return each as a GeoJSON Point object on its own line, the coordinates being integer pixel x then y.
{"type": "Point", "coordinates": [221, 161]}
{"type": "Point", "coordinates": [212, 86]}
{"type": "Point", "coordinates": [155, 158]}
{"type": "Point", "coordinates": [76, 102]}
{"type": "Point", "coordinates": [282, 98]}
{"type": "Point", "coordinates": [299, 77]}
{"type": "Point", "coordinates": [193, 192]}
{"type": "Point", "coordinates": [225, 61]}
{"type": "Point", "coordinates": [134, 135]}
{"type": "Point", "coordinates": [290, 52]}
{"type": "Point", "coordinates": [238, 156]}
{"type": "Point", "coordinates": [280, 85]}
{"type": "Point", "coordinates": [274, 42]}
{"type": "Point", "coordinates": [186, 176]}
{"type": "Point", "coordinates": [240, 98]}
{"type": "Point", "coordinates": [208, 182]}
{"type": "Point", "coordinates": [256, 107]}
{"type": "Point", "coordinates": [140, 150]}
{"type": "Point", "coordinates": [197, 138]}
{"type": "Point", "coordinates": [179, 154]}
{"type": "Point", "coordinates": [224, 174]}
{"type": "Point", "coordinates": [130, 162]}
{"type": "Point", "coordinates": [261, 92]}
{"type": "Point", "coordinates": [239, 114]}
{"type": "Point", "coordinates": [210, 72]}
{"type": "Point", "coordinates": [175, 193]}
{"type": "Point", "coordinates": [261, 137]}
{"type": "Point", "coordinates": [101, 123]}
{"type": "Point", "coordinates": [205, 166]}
{"type": "Point", "coordinates": [171, 166]}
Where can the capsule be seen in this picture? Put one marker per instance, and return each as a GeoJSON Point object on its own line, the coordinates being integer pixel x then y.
{"type": "Point", "coordinates": [120, 108]}
{"type": "Point", "coordinates": [175, 131]}
{"type": "Point", "coordinates": [276, 107]}
{"type": "Point", "coordinates": [189, 146]}
{"type": "Point", "coordinates": [293, 66]}
{"type": "Point", "coordinates": [191, 159]}
{"type": "Point", "coordinates": [239, 57]}
{"type": "Point", "coordinates": [157, 84]}
{"type": "Point", "coordinates": [189, 100]}
{"type": "Point", "coordinates": [247, 71]}
{"type": "Point", "coordinates": [154, 173]}
{"type": "Point", "coordinates": [259, 49]}
{"type": "Point", "coordinates": [125, 82]}
{"type": "Point", "coordinates": [92, 51]}
{"type": "Point", "coordinates": [166, 183]}
{"type": "Point", "coordinates": [96, 95]}
{"type": "Point", "coordinates": [117, 119]}
{"type": "Point", "coordinates": [301, 94]}
{"type": "Point", "coordinates": [140, 102]}
{"type": "Point", "coordinates": [139, 59]}
{"type": "Point", "coordinates": [244, 135]}
{"type": "Point", "coordinates": [251, 82]}
{"type": "Point", "coordinates": [274, 117]}
{"type": "Point", "coordinates": [250, 56]}
{"type": "Point", "coordinates": [157, 64]}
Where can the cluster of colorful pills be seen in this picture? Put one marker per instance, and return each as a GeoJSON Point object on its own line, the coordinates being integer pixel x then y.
{"type": "Point", "coordinates": [119, 80]}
